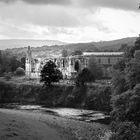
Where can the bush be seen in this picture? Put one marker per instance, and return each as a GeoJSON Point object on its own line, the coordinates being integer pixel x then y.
{"type": "Point", "coordinates": [20, 71]}
{"type": "Point", "coordinates": [126, 105]}
{"type": "Point", "coordinates": [83, 77]}
{"type": "Point", "coordinates": [7, 77]}
{"type": "Point", "coordinates": [99, 99]}
{"type": "Point", "coordinates": [126, 131]}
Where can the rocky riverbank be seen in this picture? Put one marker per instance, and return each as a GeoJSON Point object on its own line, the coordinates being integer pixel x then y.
{"type": "Point", "coordinates": [20, 125]}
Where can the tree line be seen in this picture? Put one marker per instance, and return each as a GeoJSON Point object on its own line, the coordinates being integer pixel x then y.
{"type": "Point", "coordinates": [10, 62]}
{"type": "Point", "coordinates": [126, 96]}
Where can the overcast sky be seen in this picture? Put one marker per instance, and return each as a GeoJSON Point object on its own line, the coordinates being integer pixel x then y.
{"type": "Point", "coordinates": [69, 20]}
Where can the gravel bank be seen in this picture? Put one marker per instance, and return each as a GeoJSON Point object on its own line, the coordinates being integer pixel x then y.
{"type": "Point", "coordinates": [39, 124]}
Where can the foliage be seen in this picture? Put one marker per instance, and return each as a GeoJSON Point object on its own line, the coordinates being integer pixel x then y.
{"type": "Point", "coordinates": [99, 98]}
{"type": "Point", "coordinates": [20, 71]}
{"type": "Point", "coordinates": [133, 72]}
{"type": "Point", "coordinates": [126, 96]}
{"type": "Point", "coordinates": [77, 52]}
{"type": "Point", "coordinates": [119, 82]}
{"type": "Point", "coordinates": [126, 131]}
{"type": "Point", "coordinates": [50, 73]}
{"type": "Point", "coordinates": [7, 77]}
{"type": "Point", "coordinates": [56, 96]}
{"type": "Point", "coordinates": [95, 68]}
{"type": "Point", "coordinates": [10, 62]}
{"type": "Point", "coordinates": [120, 65]}
{"type": "Point", "coordinates": [137, 54]}
{"type": "Point", "coordinates": [137, 44]}
{"type": "Point", "coordinates": [83, 77]}
{"type": "Point", "coordinates": [23, 61]}
{"type": "Point", "coordinates": [123, 47]}
{"type": "Point", "coordinates": [64, 53]}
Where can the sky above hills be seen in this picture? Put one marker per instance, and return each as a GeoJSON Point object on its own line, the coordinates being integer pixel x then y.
{"type": "Point", "coordinates": [69, 20]}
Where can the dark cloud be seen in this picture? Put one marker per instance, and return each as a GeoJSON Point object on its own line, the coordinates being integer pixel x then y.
{"type": "Point", "coordinates": [50, 15]}
{"type": "Point", "coordinates": [118, 4]}
{"type": "Point", "coordinates": [55, 2]}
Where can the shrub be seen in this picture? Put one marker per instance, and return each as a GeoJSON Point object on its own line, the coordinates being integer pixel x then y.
{"type": "Point", "coordinates": [126, 131]}
{"type": "Point", "coordinates": [20, 71]}
{"type": "Point", "coordinates": [7, 77]}
{"type": "Point", "coordinates": [83, 77]}
{"type": "Point", "coordinates": [99, 98]}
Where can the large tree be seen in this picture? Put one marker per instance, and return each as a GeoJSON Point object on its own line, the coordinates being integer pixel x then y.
{"type": "Point", "coordinates": [64, 53]}
{"type": "Point", "coordinates": [77, 52]}
{"type": "Point", "coordinates": [83, 77]}
{"type": "Point", "coordinates": [50, 73]}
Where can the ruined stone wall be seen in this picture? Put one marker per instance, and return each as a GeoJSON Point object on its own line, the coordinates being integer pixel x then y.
{"type": "Point", "coordinates": [67, 64]}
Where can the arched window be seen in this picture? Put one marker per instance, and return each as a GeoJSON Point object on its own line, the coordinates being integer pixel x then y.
{"type": "Point", "coordinates": [99, 60]}
{"type": "Point", "coordinates": [77, 66]}
{"type": "Point", "coordinates": [63, 63]}
{"type": "Point", "coordinates": [108, 60]}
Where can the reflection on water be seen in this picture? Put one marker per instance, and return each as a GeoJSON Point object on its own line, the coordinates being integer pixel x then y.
{"type": "Point", "coordinates": [78, 114]}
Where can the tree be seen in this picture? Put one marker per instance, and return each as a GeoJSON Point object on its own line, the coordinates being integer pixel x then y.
{"type": "Point", "coordinates": [50, 73]}
{"type": "Point", "coordinates": [137, 54]}
{"type": "Point", "coordinates": [23, 61]}
{"type": "Point", "coordinates": [120, 65]}
{"type": "Point", "coordinates": [77, 52]}
{"type": "Point", "coordinates": [14, 63]}
{"type": "Point", "coordinates": [132, 73]}
{"type": "Point", "coordinates": [126, 96]}
{"type": "Point", "coordinates": [119, 82]}
{"type": "Point", "coordinates": [137, 44]}
{"type": "Point", "coordinates": [20, 71]}
{"type": "Point", "coordinates": [0, 57]}
{"type": "Point", "coordinates": [95, 68]}
{"type": "Point", "coordinates": [64, 53]}
{"type": "Point", "coordinates": [83, 77]}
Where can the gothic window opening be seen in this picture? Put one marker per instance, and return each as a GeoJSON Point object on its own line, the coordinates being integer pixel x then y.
{"type": "Point", "coordinates": [108, 60]}
{"type": "Point", "coordinates": [99, 60]}
{"type": "Point", "coordinates": [63, 63]}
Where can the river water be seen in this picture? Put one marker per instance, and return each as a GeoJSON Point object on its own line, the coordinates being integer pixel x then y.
{"type": "Point", "coordinates": [71, 113]}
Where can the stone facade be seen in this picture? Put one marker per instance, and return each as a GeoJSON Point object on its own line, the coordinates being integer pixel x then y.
{"type": "Point", "coordinates": [67, 64]}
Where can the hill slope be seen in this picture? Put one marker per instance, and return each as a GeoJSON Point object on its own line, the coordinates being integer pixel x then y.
{"type": "Point", "coordinates": [19, 43]}
{"type": "Point", "coordinates": [115, 45]}
{"type": "Point", "coordinates": [55, 50]}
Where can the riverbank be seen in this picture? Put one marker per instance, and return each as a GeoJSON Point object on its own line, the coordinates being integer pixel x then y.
{"type": "Point", "coordinates": [94, 97]}
{"type": "Point", "coordinates": [21, 125]}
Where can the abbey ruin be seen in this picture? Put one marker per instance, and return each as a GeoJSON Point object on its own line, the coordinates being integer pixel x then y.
{"type": "Point", "coordinates": [67, 64]}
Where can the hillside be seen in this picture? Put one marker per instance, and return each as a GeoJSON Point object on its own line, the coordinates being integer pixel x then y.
{"type": "Point", "coordinates": [55, 50]}
{"type": "Point", "coordinates": [19, 43]}
{"type": "Point", "coordinates": [115, 45]}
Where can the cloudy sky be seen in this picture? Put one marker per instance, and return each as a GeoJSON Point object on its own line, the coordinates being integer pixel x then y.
{"type": "Point", "coordinates": [69, 20]}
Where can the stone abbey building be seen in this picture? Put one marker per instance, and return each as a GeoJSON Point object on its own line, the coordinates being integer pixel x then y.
{"type": "Point", "coordinates": [67, 64]}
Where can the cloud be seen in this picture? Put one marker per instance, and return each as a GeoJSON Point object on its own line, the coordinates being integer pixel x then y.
{"type": "Point", "coordinates": [69, 20]}
{"type": "Point", "coordinates": [117, 4]}
{"type": "Point", "coordinates": [55, 2]}
{"type": "Point", "coordinates": [45, 15]}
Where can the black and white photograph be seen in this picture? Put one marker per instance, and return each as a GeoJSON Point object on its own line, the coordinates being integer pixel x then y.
{"type": "Point", "coordinates": [69, 69]}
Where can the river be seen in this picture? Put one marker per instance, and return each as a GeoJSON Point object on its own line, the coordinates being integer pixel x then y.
{"type": "Point", "coordinates": [71, 113]}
